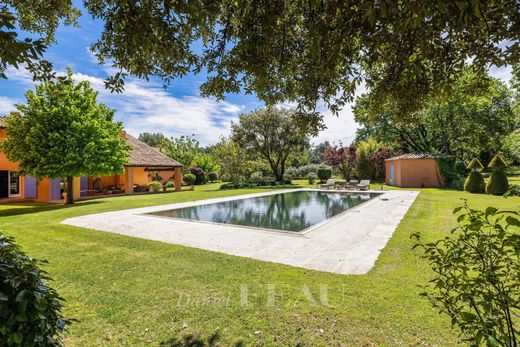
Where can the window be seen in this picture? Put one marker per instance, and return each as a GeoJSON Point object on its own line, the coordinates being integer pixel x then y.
{"type": "Point", "coordinates": [14, 183]}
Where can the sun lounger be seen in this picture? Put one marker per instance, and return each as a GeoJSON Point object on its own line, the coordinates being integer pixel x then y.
{"type": "Point", "coordinates": [363, 185]}
{"type": "Point", "coordinates": [352, 184]}
{"type": "Point", "coordinates": [331, 182]}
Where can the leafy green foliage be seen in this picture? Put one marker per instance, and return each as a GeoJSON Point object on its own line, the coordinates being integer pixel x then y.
{"type": "Point", "coordinates": [41, 19]}
{"type": "Point", "coordinates": [324, 173]}
{"type": "Point", "coordinates": [189, 178]}
{"type": "Point", "coordinates": [213, 176]}
{"type": "Point", "coordinates": [155, 186]}
{"type": "Point", "coordinates": [476, 275]}
{"type": "Point", "coordinates": [206, 162]}
{"type": "Point", "coordinates": [153, 139]}
{"type": "Point", "coordinates": [272, 134]}
{"type": "Point", "coordinates": [232, 159]}
{"type": "Point", "coordinates": [365, 151]}
{"type": "Point", "coordinates": [475, 164]}
{"type": "Point", "coordinates": [311, 177]}
{"type": "Point", "coordinates": [475, 182]}
{"type": "Point", "coordinates": [497, 183]}
{"type": "Point", "coordinates": [200, 175]}
{"type": "Point", "coordinates": [304, 52]}
{"type": "Point", "coordinates": [30, 310]}
{"type": "Point", "coordinates": [64, 132]}
{"type": "Point", "coordinates": [262, 182]}
{"type": "Point", "coordinates": [511, 147]}
{"type": "Point", "coordinates": [497, 162]}
{"type": "Point", "coordinates": [184, 149]}
{"type": "Point", "coordinates": [470, 123]}
{"type": "Point", "coordinates": [448, 169]}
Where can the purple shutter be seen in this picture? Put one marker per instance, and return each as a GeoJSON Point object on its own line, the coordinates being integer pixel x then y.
{"type": "Point", "coordinates": [30, 189]}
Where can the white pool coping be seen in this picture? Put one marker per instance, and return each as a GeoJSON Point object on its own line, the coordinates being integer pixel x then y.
{"type": "Point", "coordinates": [348, 243]}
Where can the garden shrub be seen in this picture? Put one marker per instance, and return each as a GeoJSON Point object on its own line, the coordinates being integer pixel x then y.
{"type": "Point", "coordinates": [311, 177]}
{"type": "Point", "coordinates": [498, 182]}
{"type": "Point", "coordinates": [213, 176]}
{"type": "Point", "coordinates": [200, 175]}
{"type": "Point", "coordinates": [264, 183]}
{"type": "Point", "coordinates": [460, 168]}
{"type": "Point", "coordinates": [256, 176]}
{"type": "Point", "coordinates": [293, 172]}
{"type": "Point", "coordinates": [30, 310]}
{"type": "Point", "coordinates": [476, 275]}
{"type": "Point", "coordinates": [324, 173]}
{"type": "Point", "coordinates": [155, 186]}
{"type": "Point", "coordinates": [448, 169]}
{"type": "Point", "coordinates": [169, 184]}
{"type": "Point", "coordinates": [189, 179]}
{"type": "Point", "coordinates": [475, 181]}
{"type": "Point", "coordinates": [303, 171]}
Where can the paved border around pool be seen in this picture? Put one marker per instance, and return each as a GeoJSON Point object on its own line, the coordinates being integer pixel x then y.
{"type": "Point", "coordinates": [348, 243]}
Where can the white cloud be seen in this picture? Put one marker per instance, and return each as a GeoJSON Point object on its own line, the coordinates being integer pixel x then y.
{"type": "Point", "coordinates": [148, 107]}
{"type": "Point", "coordinates": [7, 105]}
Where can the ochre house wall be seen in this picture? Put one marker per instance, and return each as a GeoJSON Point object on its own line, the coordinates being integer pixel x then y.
{"type": "Point", "coordinates": [414, 173]}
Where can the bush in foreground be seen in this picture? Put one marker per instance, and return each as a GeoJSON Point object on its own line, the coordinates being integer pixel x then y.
{"type": "Point", "coordinates": [476, 275]}
{"type": "Point", "coordinates": [30, 310]}
{"type": "Point", "coordinates": [498, 182]}
{"type": "Point", "coordinates": [311, 178]}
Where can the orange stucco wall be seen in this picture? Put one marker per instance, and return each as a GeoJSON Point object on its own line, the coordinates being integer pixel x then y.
{"type": "Point", "coordinates": [6, 165]}
{"type": "Point", "coordinates": [414, 173]}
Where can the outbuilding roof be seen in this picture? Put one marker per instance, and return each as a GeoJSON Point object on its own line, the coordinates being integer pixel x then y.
{"type": "Point", "coordinates": [143, 155]}
{"type": "Point", "coordinates": [415, 155]}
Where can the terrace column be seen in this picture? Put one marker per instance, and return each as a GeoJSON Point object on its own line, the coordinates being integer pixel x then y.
{"type": "Point", "coordinates": [177, 180]}
{"type": "Point", "coordinates": [76, 188]}
{"type": "Point", "coordinates": [129, 180]}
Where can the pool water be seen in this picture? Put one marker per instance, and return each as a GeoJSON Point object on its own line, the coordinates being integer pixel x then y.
{"type": "Point", "coordinates": [292, 211]}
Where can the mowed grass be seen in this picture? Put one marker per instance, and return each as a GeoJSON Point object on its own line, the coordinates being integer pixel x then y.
{"type": "Point", "coordinates": [130, 291]}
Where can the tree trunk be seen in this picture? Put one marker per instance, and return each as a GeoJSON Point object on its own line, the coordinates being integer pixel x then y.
{"type": "Point", "coordinates": [70, 190]}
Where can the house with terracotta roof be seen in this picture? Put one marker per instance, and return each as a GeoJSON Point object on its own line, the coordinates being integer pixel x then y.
{"type": "Point", "coordinates": [145, 165]}
{"type": "Point", "coordinates": [413, 170]}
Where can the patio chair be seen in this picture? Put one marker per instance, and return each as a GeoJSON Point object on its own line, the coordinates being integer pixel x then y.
{"type": "Point", "coordinates": [331, 182]}
{"type": "Point", "coordinates": [363, 185]}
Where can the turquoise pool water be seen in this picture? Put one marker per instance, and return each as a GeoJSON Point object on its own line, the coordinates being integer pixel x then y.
{"type": "Point", "coordinates": [292, 211]}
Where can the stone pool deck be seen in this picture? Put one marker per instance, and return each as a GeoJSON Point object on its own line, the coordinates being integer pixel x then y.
{"type": "Point", "coordinates": [348, 243]}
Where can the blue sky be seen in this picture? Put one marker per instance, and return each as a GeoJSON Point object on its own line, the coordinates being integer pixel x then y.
{"type": "Point", "coordinates": [147, 106]}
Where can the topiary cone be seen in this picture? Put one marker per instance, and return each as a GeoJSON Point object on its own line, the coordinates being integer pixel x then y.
{"type": "Point", "coordinates": [475, 164]}
{"type": "Point", "coordinates": [497, 162]}
{"type": "Point", "coordinates": [475, 182]}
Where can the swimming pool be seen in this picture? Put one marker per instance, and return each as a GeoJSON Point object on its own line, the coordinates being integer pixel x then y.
{"type": "Point", "coordinates": [290, 211]}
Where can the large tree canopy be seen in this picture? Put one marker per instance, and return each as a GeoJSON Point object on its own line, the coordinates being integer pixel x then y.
{"type": "Point", "coordinates": [272, 134]}
{"type": "Point", "coordinates": [63, 132]}
{"type": "Point", "coordinates": [472, 122]}
{"type": "Point", "coordinates": [300, 51]}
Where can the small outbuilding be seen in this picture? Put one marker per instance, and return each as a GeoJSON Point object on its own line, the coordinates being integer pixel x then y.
{"type": "Point", "coordinates": [413, 170]}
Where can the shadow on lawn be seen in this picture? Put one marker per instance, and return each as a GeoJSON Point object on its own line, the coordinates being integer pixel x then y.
{"type": "Point", "coordinates": [16, 209]}
{"type": "Point", "coordinates": [195, 341]}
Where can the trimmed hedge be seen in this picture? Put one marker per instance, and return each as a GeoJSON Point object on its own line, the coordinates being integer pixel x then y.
{"type": "Point", "coordinates": [267, 182]}
{"type": "Point", "coordinates": [475, 182]}
{"type": "Point", "coordinates": [475, 164]}
{"type": "Point", "coordinates": [311, 178]}
{"type": "Point", "coordinates": [155, 186]}
{"type": "Point", "coordinates": [189, 178]}
{"type": "Point", "coordinates": [30, 310]}
{"type": "Point", "coordinates": [497, 183]}
{"type": "Point", "coordinates": [324, 173]}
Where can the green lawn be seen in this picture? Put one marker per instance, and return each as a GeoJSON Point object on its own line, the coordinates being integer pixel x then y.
{"type": "Point", "coordinates": [129, 291]}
